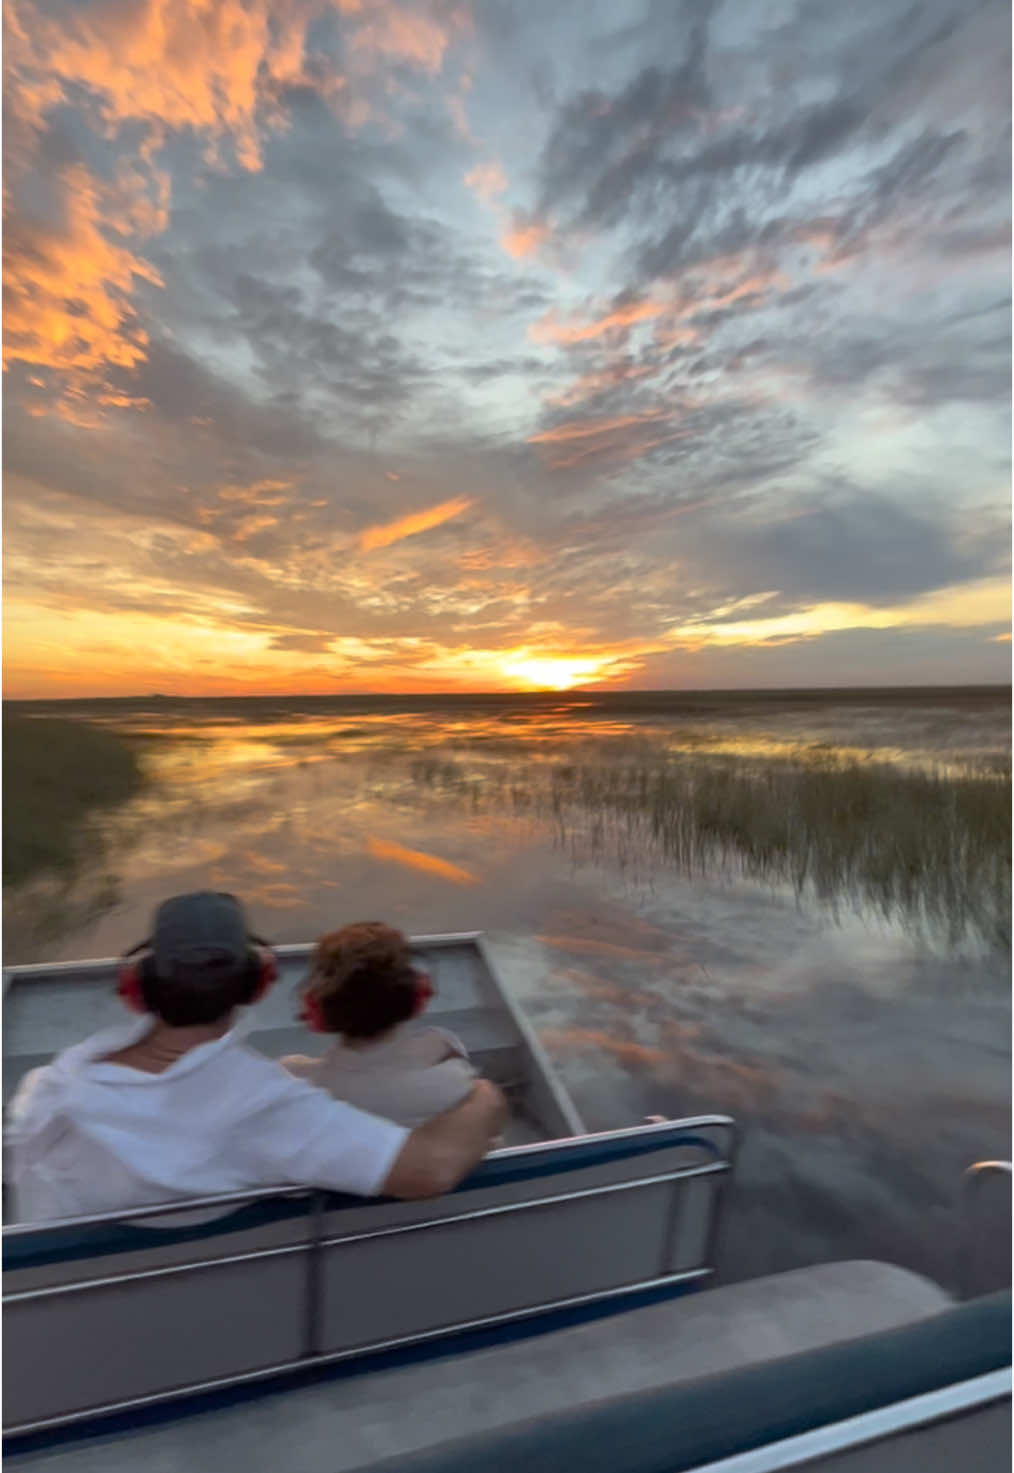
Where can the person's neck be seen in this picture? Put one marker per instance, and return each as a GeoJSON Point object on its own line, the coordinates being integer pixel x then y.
{"type": "Point", "coordinates": [173, 1040]}
{"type": "Point", "coordinates": [367, 1043]}
{"type": "Point", "coordinates": [164, 1044]}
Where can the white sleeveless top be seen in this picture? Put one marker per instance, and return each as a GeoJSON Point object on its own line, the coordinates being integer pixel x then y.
{"type": "Point", "coordinates": [408, 1076]}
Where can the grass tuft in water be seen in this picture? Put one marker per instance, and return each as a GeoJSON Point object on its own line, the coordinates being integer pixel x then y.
{"type": "Point", "coordinates": [931, 849]}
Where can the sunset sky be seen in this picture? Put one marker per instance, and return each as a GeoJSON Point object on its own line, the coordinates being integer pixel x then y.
{"type": "Point", "coordinates": [362, 345]}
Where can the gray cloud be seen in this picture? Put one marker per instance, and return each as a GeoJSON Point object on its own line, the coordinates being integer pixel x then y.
{"type": "Point", "coordinates": [854, 657]}
{"type": "Point", "coordinates": [846, 545]}
{"type": "Point", "coordinates": [764, 344]}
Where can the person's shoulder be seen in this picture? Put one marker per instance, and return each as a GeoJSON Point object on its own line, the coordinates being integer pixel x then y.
{"type": "Point", "coordinates": [269, 1087]}
{"type": "Point", "coordinates": [446, 1044]}
{"type": "Point", "coordinates": [32, 1087]}
{"type": "Point", "coordinates": [443, 1059]}
{"type": "Point", "coordinates": [302, 1066]}
{"type": "Point", "coordinates": [243, 1069]}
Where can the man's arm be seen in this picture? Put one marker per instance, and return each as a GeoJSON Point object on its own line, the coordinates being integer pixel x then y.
{"type": "Point", "coordinates": [442, 1152]}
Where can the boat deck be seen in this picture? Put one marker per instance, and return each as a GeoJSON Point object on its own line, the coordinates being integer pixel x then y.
{"type": "Point", "coordinates": [350, 1422]}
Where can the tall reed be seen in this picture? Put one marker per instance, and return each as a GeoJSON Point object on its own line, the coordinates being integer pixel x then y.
{"type": "Point", "coordinates": [931, 848]}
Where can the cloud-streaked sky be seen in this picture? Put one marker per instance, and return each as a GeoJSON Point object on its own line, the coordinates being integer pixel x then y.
{"type": "Point", "coordinates": [438, 344]}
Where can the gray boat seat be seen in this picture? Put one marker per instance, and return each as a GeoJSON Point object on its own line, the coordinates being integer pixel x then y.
{"type": "Point", "coordinates": [346, 1424]}
{"type": "Point", "coordinates": [694, 1423]}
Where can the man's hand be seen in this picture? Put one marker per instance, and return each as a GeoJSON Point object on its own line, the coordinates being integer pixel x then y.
{"type": "Point", "coordinates": [442, 1152]}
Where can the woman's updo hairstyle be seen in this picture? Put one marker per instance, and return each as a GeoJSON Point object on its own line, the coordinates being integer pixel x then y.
{"type": "Point", "coordinates": [362, 981]}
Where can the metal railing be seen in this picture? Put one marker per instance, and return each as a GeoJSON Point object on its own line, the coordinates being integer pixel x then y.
{"type": "Point", "coordinates": [315, 1245]}
{"type": "Point", "coordinates": [975, 1178]}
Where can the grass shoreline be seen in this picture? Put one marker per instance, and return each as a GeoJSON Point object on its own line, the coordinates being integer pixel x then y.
{"type": "Point", "coordinates": [59, 776]}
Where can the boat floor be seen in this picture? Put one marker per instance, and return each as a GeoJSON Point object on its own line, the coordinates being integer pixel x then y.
{"type": "Point", "coordinates": [343, 1424]}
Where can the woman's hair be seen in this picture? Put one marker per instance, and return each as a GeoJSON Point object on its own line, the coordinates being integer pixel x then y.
{"type": "Point", "coordinates": [198, 994]}
{"type": "Point", "coordinates": [363, 979]}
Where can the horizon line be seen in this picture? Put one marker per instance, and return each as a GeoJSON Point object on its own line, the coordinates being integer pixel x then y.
{"type": "Point", "coordinates": [486, 694]}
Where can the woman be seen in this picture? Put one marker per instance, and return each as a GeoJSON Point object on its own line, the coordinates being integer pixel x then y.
{"type": "Point", "coordinates": [365, 991]}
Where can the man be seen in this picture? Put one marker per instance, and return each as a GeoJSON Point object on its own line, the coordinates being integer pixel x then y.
{"type": "Point", "coordinates": [174, 1105]}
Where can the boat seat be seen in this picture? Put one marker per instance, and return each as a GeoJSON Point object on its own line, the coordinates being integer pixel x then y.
{"type": "Point", "coordinates": [693, 1423]}
{"type": "Point", "coordinates": [346, 1424]}
{"type": "Point", "coordinates": [284, 1281]}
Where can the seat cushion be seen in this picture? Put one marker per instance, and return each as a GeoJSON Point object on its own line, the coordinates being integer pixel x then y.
{"type": "Point", "coordinates": [692, 1424]}
{"type": "Point", "coordinates": [343, 1424]}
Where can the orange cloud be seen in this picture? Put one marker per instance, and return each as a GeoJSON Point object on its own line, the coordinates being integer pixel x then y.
{"type": "Point", "coordinates": [753, 286]}
{"type": "Point", "coordinates": [212, 67]}
{"type": "Point", "coordinates": [209, 67]}
{"type": "Point", "coordinates": [501, 554]}
{"type": "Point", "coordinates": [166, 65]}
{"type": "Point", "coordinates": [723, 281]}
{"type": "Point", "coordinates": [417, 859]}
{"type": "Point", "coordinates": [588, 429]}
{"type": "Point", "coordinates": [666, 336]}
{"type": "Point", "coordinates": [551, 329]}
{"type": "Point", "coordinates": [67, 289]}
{"type": "Point", "coordinates": [523, 236]}
{"type": "Point", "coordinates": [409, 526]}
{"type": "Point", "coordinates": [394, 34]}
{"type": "Point", "coordinates": [625, 437]}
{"type": "Point", "coordinates": [250, 526]}
{"type": "Point", "coordinates": [259, 493]}
{"type": "Point", "coordinates": [590, 385]}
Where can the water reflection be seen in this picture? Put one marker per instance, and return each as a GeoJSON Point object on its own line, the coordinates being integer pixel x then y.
{"type": "Point", "coordinates": [290, 793]}
{"type": "Point", "coordinates": [870, 1063]}
{"type": "Point", "coordinates": [946, 727]}
{"type": "Point", "coordinates": [430, 864]}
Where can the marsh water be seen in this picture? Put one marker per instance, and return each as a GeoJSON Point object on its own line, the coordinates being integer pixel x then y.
{"type": "Point", "coordinates": [860, 1035]}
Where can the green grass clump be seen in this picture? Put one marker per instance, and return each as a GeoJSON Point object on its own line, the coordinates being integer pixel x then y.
{"type": "Point", "coordinates": [931, 849]}
{"type": "Point", "coordinates": [921, 846]}
{"type": "Point", "coordinates": [58, 777]}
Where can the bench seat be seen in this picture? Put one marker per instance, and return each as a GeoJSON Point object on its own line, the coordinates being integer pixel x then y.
{"type": "Point", "coordinates": [349, 1422]}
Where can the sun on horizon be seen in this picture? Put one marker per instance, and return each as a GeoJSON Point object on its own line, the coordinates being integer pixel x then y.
{"type": "Point", "coordinates": [554, 672]}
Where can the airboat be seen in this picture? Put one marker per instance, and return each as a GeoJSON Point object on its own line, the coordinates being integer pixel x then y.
{"type": "Point", "coordinates": [563, 1308]}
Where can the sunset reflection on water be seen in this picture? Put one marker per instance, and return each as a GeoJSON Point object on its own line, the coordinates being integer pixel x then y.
{"type": "Point", "coordinates": [837, 1036]}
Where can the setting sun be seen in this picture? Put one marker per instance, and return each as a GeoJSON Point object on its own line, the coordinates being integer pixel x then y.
{"type": "Point", "coordinates": [554, 672]}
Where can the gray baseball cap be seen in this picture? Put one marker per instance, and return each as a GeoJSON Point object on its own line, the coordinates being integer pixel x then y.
{"type": "Point", "coordinates": [205, 930]}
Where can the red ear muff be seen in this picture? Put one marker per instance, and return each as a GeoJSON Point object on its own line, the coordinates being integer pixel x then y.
{"type": "Point", "coordinates": [311, 1015]}
{"type": "Point", "coordinates": [267, 971]}
{"type": "Point", "coordinates": [423, 992]}
{"type": "Point", "coordinates": [128, 987]}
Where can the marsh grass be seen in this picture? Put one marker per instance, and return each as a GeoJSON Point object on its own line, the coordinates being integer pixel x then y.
{"type": "Point", "coordinates": [928, 848]}
{"type": "Point", "coordinates": [59, 776]}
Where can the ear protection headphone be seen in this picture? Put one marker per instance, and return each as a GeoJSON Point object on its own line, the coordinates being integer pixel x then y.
{"type": "Point", "coordinates": [260, 971]}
